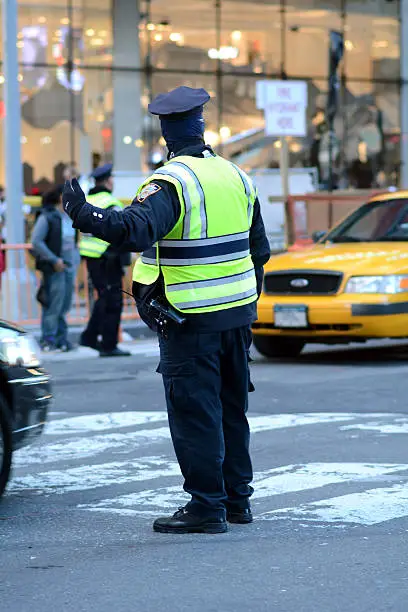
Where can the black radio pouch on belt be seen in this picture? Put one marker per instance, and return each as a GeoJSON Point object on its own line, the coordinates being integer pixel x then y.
{"type": "Point", "coordinates": [153, 307]}
{"type": "Point", "coordinates": [143, 294]}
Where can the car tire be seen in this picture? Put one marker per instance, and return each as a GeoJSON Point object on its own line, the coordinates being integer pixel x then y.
{"type": "Point", "coordinates": [6, 445]}
{"type": "Point", "coordinates": [273, 347]}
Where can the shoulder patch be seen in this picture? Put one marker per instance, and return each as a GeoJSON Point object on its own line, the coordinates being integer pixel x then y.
{"type": "Point", "coordinates": [147, 191]}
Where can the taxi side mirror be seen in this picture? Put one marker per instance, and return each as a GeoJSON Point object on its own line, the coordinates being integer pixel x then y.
{"type": "Point", "coordinates": [316, 236]}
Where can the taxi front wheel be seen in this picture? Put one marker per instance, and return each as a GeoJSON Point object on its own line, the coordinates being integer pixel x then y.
{"type": "Point", "coordinates": [270, 346]}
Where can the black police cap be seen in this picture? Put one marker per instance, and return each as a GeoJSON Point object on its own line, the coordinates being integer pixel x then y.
{"type": "Point", "coordinates": [179, 101]}
{"type": "Point", "coordinates": [103, 172]}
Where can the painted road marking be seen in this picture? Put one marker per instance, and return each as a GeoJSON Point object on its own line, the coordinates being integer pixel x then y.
{"type": "Point", "coordinates": [114, 420]}
{"type": "Point", "coordinates": [102, 422]}
{"type": "Point", "coordinates": [86, 447]}
{"type": "Point", "coordinates": [293, 478]}
{"type": "Point", "coordinates": [87, 477]}
{"type": "Point", "coordinates": [285, 479]}
{"type": "Point", "coordinates": [277, 481]}
{"type": "Point", "coordinates": [367, 508]}
{"type": "Point", "coordinates": [400, 426]}
{"type": "Point", "coordinates": [75, 467]}
{"type": "Point", "coordinates": [283, 421]}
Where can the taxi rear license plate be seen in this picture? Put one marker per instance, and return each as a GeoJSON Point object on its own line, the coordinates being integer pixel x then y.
{"type": "Point", "coordinates": [294, 317]}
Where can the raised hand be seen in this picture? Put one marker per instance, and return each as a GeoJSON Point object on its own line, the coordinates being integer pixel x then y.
{"type": "Point", "coordinates": [73, 197]}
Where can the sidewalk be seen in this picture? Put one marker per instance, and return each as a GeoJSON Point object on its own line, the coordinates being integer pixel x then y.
{"type": "Point", "coordinates": [136, 338]}
{"type": "Point", "coordinates": [145, 348]}
{"type": "Point", "coordinates": [131, 330]}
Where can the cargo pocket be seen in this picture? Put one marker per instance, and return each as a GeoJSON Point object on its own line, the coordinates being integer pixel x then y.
{"type": "Point", "coordinates": [179, 381]}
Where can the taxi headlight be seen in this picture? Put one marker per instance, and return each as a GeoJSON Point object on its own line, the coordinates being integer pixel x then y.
{"type": "Point", "coordinates": [393, 283]}
{"type": "Point", "coordinates": [19, 350]}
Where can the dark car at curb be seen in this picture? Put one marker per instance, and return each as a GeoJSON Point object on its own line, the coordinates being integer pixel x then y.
{"type": "Point", "coordinates": [25, 394]}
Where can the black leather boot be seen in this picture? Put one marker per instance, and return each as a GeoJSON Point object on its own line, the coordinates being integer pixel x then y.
{"type": "Point", "coordinates": [241, 516]}
{"type": "Point", "coordinates": [183, 521]}
{"type": "Point", "coordinates": [116, 352]}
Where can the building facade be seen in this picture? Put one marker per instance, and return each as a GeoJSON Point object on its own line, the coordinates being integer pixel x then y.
{"type": "Point", "coordinates": [88, 69]}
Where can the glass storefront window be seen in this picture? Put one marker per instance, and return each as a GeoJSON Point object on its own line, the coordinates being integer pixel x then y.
{"type": "Point", "coordinates": [307, 27]}
{"type": "Point", "coordinates": [94, 22]}
{"type": "Point", "coordinates": [98, 115]}
{"type": "Point", "coordinates": [372, 32]}
{"type": "Point", "coordinates": [50, 122]}
{"type": "Point", "coordinates": [373, 134]}
{"type": "Point", "coordinates": [180, 34]}
{"type": "Point", "coordinates": [69, 72]}
{"type": "Point", "coordinates": [252, 33]}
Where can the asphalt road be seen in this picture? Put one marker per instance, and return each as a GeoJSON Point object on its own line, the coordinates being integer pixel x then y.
{"type": "Point", "coordinates": [330, 455]}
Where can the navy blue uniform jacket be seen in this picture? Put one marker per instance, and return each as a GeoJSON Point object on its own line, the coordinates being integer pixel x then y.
{"type": "Point", "coordinates": [142, 224]}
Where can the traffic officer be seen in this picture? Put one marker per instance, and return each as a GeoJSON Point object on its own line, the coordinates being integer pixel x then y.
{"type": "Point", "coordinates": [198, 224]}
{"type": "Point", "coordinates": [105, 269]}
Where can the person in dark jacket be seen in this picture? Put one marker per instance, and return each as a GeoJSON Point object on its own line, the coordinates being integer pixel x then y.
{"type": "Point", "coordinates": [57, 257]}
{"type": "Point", "coordinates": [197, 222]}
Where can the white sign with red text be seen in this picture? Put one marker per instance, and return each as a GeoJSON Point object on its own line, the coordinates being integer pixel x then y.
{"type": "Point", "coordinates": [284, 103]}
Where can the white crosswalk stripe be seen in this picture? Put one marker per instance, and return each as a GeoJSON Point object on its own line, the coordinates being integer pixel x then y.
{"type": "Point", "coordinates": [82, 448]}
{"type": "Point", "coordinates": [126, 460]}
{"type": "Point", "coordinates": [366, 508]}
{"type": "Point", "coordinates": [285, 479]}
{"type": "Point", "coordinates": [102, 422]}
{"type": "Point", "coordinates": [88, 477]}
{"type": "Point", "coordinates": [76, 449]}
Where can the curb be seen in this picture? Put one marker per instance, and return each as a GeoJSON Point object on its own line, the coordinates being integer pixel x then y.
{"type": "Point", "coordinates": [138, 348]}
{"type": "Point", "coordinates": [130, 332]}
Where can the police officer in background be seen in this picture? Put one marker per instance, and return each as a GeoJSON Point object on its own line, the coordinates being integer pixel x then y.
{"type": "Point", "coordinates": [198, 224]}
{"type": "Point", "coordinates": [105, 268]}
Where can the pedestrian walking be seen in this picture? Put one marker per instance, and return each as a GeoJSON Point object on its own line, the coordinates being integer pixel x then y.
{"type": "Point", "coordinates": [55, 249]}
{"type": "Point", "coordinates": [105, 264]}
{"type": "Point", "coordinates": [197, 222]}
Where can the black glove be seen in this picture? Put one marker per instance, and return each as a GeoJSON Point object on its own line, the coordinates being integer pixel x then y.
{"type": "Point", "coordinates": [73, 198]}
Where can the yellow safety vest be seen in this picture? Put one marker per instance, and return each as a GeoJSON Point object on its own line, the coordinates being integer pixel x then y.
{"type": "Point", "coordinates": [89, 246]}
{"type": "Point", "coordinates": [205, 259]}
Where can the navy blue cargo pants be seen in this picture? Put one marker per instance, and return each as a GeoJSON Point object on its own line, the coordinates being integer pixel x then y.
{"type": "Point", "coordinates": [206, 381]}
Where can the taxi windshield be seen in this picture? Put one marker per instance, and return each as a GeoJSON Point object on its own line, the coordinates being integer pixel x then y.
{"type": "Point", "coordinates": [374, 222]}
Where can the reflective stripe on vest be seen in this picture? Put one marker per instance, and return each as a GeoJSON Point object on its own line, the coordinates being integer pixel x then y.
{"type": "Point", "coordinates": [249, 190]}
{"type": "Point", "coordinates": [205, 259]}
{"type": "Point", "coordinates": [193, 195]}
{"type": "Point", "coordinates": [90, 246]}
{"type": "Point", "coordinates": [198, 286]}
{"type": "Point", "coordinates": [210, 250]}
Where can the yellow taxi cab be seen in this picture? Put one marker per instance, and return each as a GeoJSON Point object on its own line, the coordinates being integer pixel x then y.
{"type": "Point", "coordinates": [351, 286]}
